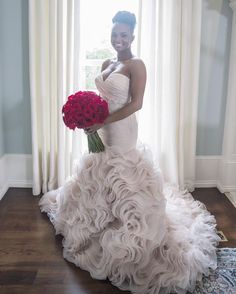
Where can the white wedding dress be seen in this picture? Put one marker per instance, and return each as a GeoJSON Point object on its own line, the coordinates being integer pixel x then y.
{"type": "Point", "coordinates": [122, 222]}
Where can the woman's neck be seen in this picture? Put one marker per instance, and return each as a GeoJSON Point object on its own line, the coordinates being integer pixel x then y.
{"type": "Point", "coordinates": [124, 55]}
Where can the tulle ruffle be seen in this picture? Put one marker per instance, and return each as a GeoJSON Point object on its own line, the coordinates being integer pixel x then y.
{"type": "Point", "coordinates": [121, 221]}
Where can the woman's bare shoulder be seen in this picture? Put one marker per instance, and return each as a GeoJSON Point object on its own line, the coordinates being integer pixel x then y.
{"type": "Point", "coordinates": [137, 64]}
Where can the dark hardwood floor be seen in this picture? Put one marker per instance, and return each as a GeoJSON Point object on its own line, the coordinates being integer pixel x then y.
{"type": "Point", "coordinates": [223, 210]}
{"type": "Point", "coordinates": [31, 255]}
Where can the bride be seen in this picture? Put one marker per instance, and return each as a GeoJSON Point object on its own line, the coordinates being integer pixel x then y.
{"type": "Point", "coordinates": [118, 218]}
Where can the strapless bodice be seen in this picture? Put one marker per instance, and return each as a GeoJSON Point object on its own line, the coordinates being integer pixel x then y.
{"type": "Point", "coordinates": [123, 133]}
{"type": "Point", "coordinates": [115, 90]}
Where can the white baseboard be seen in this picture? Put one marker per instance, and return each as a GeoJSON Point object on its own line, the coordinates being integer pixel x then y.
{"type": "Point", "coordinates": [227, 175]}
{"type": "Point", "coordinates": [205, 184]}
{"type": "Point", "coordinates": [15, 171]}
{"type": "Point", "coordinates": [209, 173]}
{"type": "Point", "coordinates": [3, 177]}
{"type": "Point", "coordinates": [19, 169]}
{"type": "Point", "coordinates": [206, 171]}
{"type": "Point", "coordinates": [20, 184]}
{"type": "Point", "coordinates": [3, 190]}
{"type": "Point", "coordinates": [225, 188]}
{"type": "Point", "coordinates": [232, 197]}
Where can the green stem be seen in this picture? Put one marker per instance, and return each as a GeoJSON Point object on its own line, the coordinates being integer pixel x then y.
{"type": "Point", "coordinates": [95, 143]}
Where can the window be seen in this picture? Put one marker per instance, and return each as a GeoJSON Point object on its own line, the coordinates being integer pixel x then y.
{"type": "Point", "coordinates": [96, 23]}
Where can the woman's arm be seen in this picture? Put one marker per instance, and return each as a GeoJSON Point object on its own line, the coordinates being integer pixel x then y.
{"type": "Point", "coordinates": [105, 64]}
{"type": "Point", "coordinates": [137, 87]}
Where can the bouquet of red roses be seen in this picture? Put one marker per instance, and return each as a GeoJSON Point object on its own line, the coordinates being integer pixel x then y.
{"type": "Point", "coordinates": [82, 110]}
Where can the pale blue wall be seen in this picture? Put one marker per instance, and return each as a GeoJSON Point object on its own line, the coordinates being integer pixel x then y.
{"type": "Point", "coordinates": [15, 95]}
{"type": "Point", "coordinates": [15, 80]}
{"type": "Point", "coordinates": [2, 149]}
{"type": "Point", "coordinates": [214, 66]}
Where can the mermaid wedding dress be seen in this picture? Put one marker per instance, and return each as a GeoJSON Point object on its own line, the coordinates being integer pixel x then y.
{"type": "Point", "coordinates": [122, 222]}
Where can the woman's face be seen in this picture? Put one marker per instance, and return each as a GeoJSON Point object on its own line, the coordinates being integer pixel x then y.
{"type": "Point", "coordinates": [121, 36]}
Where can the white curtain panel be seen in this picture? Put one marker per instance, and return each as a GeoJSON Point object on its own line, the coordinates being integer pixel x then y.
{"type": "Point", "coordinates": [54, 66]}
{"type": "Point", "coordinates": [169, 44]}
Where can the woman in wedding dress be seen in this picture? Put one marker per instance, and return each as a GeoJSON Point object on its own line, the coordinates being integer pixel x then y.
{"type": "Point", "coordinates": [118, 218]}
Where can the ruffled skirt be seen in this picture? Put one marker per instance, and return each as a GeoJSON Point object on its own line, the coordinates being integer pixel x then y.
{"type": "Point", "coordinates": [122, 222]}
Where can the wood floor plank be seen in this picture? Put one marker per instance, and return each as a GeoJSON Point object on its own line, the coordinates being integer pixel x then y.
{"type": "Point", "coordinates": [24, 277]}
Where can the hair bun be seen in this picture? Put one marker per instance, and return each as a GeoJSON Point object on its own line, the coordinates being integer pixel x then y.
{"type": "Point", "coordinates": [125, 17]}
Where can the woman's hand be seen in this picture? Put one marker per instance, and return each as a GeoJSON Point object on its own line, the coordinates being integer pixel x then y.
{"type": "Point", "coordinates": [93, 128]}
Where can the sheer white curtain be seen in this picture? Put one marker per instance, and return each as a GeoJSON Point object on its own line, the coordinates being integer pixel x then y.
{"type": "Point", "coordinates": [169, 44]}
{"type": "Point", "coordinates": [54, 64]}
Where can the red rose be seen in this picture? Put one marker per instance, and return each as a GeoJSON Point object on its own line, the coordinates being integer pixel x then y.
{"type": "Point", "coordinates": [84, 109]}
